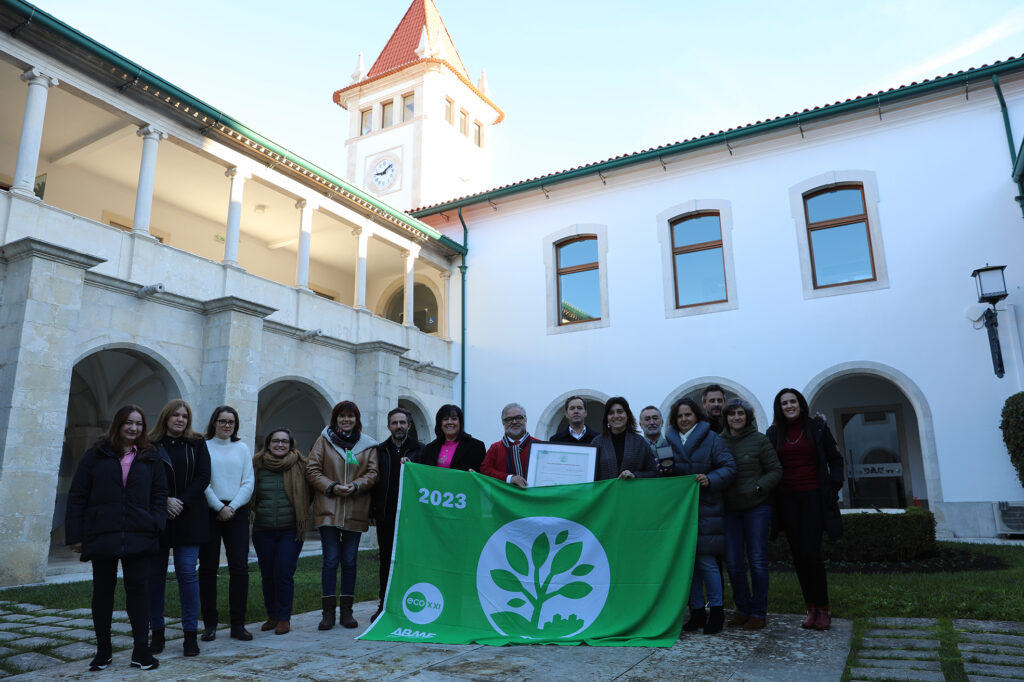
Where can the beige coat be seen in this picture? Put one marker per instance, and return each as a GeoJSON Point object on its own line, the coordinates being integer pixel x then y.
{"type": "Point", "coordinates": [327, 466]}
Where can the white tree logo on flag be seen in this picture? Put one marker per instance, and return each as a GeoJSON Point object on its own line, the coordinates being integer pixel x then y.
{"type": "Point", "coordinates": [542, 577]}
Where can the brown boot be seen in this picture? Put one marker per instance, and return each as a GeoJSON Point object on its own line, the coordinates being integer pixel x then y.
{"type": "Point", "coordinates": [327, 604]}
{"type": "Point", "coordinates": [754, 623]}
{"type": "Point", "coordinates": [345, 612]}
{"type": "Point", "coordinates": [738, 619]}
{"type": "Point", "coordinates": [824, 619]}
{"type": "Point", "coordinates": [284, 627]}
{"type": "Point", "coordinates": [270, 624]}
{"type": "Point", "coordinates": [812, 616]}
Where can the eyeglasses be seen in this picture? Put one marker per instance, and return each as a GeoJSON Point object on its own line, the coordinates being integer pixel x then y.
{"type": "Point", "coordinates": [514, 420]}
{"type": "Point", "coordinates": [280, 441]}
{"type": "Point", "coordinates": [226, 422]}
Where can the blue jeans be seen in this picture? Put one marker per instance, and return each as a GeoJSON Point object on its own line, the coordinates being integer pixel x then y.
{"type": "Point", "coordinates": [185, 560]}
{"type": "Point", "coordinates": [278, 555]}
{"type": "Point", "coordinates": [339, 546]}
{"type": "Point", "coordinates": [746, 542]}
{"type": "Point", "coordinates": [705, 574]}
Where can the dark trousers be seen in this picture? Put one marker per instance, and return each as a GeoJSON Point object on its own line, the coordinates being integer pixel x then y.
{"type": "Point", "coordinates": [386, 543]}
{"type": "Point", "coordinates": [802, 519]}
{"type": "Point", "coordinates": [278, 555]}
{"type": "Point", "coordinates": [235, 535]}
{"type": "Point", "coordinates": [104, 582]}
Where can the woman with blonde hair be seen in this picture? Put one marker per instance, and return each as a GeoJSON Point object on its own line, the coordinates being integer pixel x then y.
{"type": "Point", "coordinates": [280, 518]}
{"type": "Point", "coordinates": [186, 463]}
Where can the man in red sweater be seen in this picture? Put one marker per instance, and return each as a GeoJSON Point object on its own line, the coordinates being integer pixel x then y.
{"type": "Point", "coordinates": [508, 459]}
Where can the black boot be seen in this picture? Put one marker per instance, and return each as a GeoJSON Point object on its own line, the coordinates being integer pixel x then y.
{"type": "Point", "coordinates": [697, 618]}
{"type": "Point", "coordinates": [380, 610]}
{"type": "Point", "coordinates": [104, 655]}
{"type": "Point", "coordinates": [715, 620]}
{"type": "Point", "coordinates": [345, 612]}
{"type": "Point", "coordinates": [156, 645]}
{"type": "Point", "coordinates": [328, 604]}
{"type": "Point", "coordinates": [191, 643]}
{"type": "Point", "coordinates": [209, 632]}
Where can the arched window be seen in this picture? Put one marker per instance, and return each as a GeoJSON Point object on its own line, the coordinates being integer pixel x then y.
{"type": "Point", "coordinates": [424, 312]}
{"type": "Point", "coordinates": [579, 280]}
{"type": "Point", "coordinates": [697, 259]}
{"type": "Point", "coordinates": [838, 236]}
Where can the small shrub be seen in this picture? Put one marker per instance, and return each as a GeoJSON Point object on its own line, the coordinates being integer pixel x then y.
{"type": "Point", "coordinates": [1012, 426]}
{"type": "Point", "coordinates": [872, 537]}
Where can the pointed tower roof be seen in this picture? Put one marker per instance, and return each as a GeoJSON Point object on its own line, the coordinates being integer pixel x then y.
{"type": "Point", "coordinates": [420, 37]}
{"type": "Point", "coordinates": [422, 16]}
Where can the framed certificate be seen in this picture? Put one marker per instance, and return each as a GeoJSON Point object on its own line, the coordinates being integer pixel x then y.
{"type": "Point", "coordinates": [558, 464]}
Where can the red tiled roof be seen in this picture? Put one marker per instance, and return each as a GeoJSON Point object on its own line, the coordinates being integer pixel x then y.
{"type": "Point", "coordinates": [401, 48]}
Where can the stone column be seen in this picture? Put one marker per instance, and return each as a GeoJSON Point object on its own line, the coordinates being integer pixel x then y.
{"type": "Point", "coordinates": [234, 226]}
{"type": "Point", "coordinates": [410, 281]}
{"type": "Point", "coordinates": [147, 177]}
{"type": "Point", "coordinates": [445, 307]}
{"type": "Point", "coordinates": [39, 86]}
{"type": "Point", "coordinates": [38, 324]}
{"type": "Point", "coordinates": [305, 228]}
{"type": "Point", "coordinates": [231, 375]}
{"type": "Point", "coordinates": [363, 234]}
{"type": "Point", "coordinates": [375, 384]}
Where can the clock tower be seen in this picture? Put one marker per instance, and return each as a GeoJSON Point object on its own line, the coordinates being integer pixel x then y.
{"type": "Point", "coordinates": [419, 128]}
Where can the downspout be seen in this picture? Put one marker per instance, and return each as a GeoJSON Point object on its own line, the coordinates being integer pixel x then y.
{"type": "Point", "coordinates": [1009, 138]}
{"type": "Point", "coordinates": [462, 271]}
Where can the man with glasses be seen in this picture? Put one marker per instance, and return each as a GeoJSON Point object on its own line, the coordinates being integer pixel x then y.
{"type": "Point", "coordinates": [508, 459]}
{"type": "Point", "coordinates": [401, 447]}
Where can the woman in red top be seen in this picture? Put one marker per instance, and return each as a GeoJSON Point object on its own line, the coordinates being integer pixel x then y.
{"type": "Point", "coordinates": [808, 502]}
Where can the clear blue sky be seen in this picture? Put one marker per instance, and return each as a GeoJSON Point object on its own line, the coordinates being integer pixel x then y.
{"type": "Point", "coordinates": [578, 81]}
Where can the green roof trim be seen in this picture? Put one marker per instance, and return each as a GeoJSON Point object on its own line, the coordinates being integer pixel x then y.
{"type": "Point", "coordinates": [34, 15]}
{"type": "Point", "coordinates": [977, 77]}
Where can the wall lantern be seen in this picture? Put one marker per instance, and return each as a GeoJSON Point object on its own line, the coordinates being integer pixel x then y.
{"type": "Point", "coordinates": [991, 289]}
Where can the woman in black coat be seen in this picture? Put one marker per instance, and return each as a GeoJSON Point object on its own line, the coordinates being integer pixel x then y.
{"type": "Point", "coordinates": [808, 500]}
{"type": "Point", "coordinates": [117, 507]}
{"type": "Point", "coordinates": [453, 448]}
{"type": "Point", "coordinates": [187, 468]}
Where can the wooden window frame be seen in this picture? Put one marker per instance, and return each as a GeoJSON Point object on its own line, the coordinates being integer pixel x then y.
{"type": "Point", "coordinates": [839, 222]}
{"type": "Point", "coordinates": [365, 122]}
{"type": "Point", "coordinates": [693, 248]}
{"type": "Point", "coordinates": [407, 115]}
{"type": "Point", "coordinates": [464, 122]}
{"type": "Point", "coordinates": [583, 267]}
{"type": "Point", "coordinates": [384, 114]}
{"type": "Point", "coordinates": [449, 111]}
{"type": "Point", "coordinates": [478, 134]}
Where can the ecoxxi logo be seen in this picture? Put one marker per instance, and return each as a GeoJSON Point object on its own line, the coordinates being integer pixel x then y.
{"type": "Point", "coordinates": [542, 577]}
{"type": "Point", "coordinates": [422, 603]}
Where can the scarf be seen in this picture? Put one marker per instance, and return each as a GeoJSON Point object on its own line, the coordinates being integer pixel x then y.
{"type": "Point", "coordinates": [516, 469]}
{"type": "Point", "coordinates": [344, 443]}
{"type": "Point", "coordinates": [292, 468]}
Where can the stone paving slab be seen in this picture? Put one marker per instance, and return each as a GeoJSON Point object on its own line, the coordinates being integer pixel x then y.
{"type": "Point", "coordinates": [121, 641]}
{"type": "Point", "coordinates": [860, 673]}
{"type": "Point", "coordinates": [991, 648]}
{"type": "Point", "coordinates": [8, 636]}
{"type": "Point", "coordinates": [75, 651]}
{"type": "Point", "coordinates": [31, 661]}
{"type": "Point", "coordinates": [904, 622]}
{"type": "Point", "coordinates": [79, 623]}
{"type": "Point", "coordinates": [916, 664]}
{"type": "Point", "coordinates": [4, 651]}
{"type": "Point", "coordinates": [20, 617]}
{"type": "Point", "coordinates": [989, 625]}
{"type": "Point", "coordinates": [983, 678]}
{"type": "Point", "coordinates": [1004, 659]}
{"type": "Point", "coordinates": [992, 638]}
{"type": "Point", "coordinates": [1012, 672]}
{"type": "Point", "coordinates": [897, 643]}
{"type": "Point", "coordinates": [11, 626]}
{"type": "Point", "coordinates": [898, 653]}
{"type": "Point", "coordinates": [78, 612]}
{"type": "Point", "coordinates": [31, 607]}
{"type": "Point", "coordinates": [33, 642]}
{"type": "Point", "coordinates": [46, 629]}
{"type": "Point", "coordinates": [888, 632]}
{"type": "Point", "coordinates": [46, 620]}
{"type": "Point", "coordinates": [82, 635]}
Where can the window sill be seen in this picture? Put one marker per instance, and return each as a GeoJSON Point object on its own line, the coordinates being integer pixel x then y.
{"type": "Point", "coordinates": [689, 311]}
{"type": "Point", "coordinates": [578, 326]}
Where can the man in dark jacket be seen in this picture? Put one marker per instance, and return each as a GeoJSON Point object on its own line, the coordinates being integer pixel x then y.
{"type": "Point", "coordinates": [576, 432]}
{"type": "Point", "coordinates": [391, 453]}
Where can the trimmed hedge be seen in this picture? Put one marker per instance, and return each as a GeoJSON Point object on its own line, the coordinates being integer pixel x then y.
{"type": "Point", "coordinates": [1012, 426]}
{"type": "Point", "coordinates": [873, 537]}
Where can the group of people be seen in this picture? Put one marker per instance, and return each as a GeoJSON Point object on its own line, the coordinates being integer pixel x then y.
{"type": "Point", "coordinates": [140, 495]}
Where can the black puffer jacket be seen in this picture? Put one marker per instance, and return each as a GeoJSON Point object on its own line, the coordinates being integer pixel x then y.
{"type": "Point", "coordinates": [384, 495]}
{"type": "Point", "coordinates": [110, 518]}
{"type": "Point", "coordinates": [187, 468]}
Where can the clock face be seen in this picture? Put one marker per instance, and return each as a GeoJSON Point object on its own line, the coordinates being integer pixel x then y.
{"type": "Point", "coordinates": [384, 173]}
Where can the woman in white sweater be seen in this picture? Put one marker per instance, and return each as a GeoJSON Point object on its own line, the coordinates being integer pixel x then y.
{"type": "Point", "coordinates": [231, 485]}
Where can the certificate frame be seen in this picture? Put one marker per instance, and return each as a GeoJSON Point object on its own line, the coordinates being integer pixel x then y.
{"type": "Point", "coordinates": [560, 464]}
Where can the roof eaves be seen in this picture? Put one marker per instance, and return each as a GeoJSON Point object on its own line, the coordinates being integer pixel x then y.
{"type": "Point", "coordinates": [212, 118]}
{"type": "Point", "coordinates": [870, 100]}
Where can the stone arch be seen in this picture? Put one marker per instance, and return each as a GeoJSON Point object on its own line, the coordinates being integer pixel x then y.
{"type": "Point", "coordinates": [693, 386]}
{"type": "Point", "coordinates": [421, 416]}
{"type": "Point", "coordinates": [553, 414]}
{"type": "Point", "coordinates": [296, 403]}
{"type": "Point", "coordinates": [396, 287]}
{"type": "Point", "coordinates": [186, 388]}
{"type": "Point", "coordinates": [914, 395]}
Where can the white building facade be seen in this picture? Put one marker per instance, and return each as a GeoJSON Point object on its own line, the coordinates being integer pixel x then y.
{"type": "Point", "coordinates": [829, 251]}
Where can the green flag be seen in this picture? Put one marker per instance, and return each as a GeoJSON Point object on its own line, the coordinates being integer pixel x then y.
{"type": "Point", "coordinates": [350, 457]}
{"type": "Point", "coordinates": [479, 561]}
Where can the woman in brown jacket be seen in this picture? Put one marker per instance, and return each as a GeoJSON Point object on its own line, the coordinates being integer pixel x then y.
{"type": "Point", "coordinates": [342, 469]}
